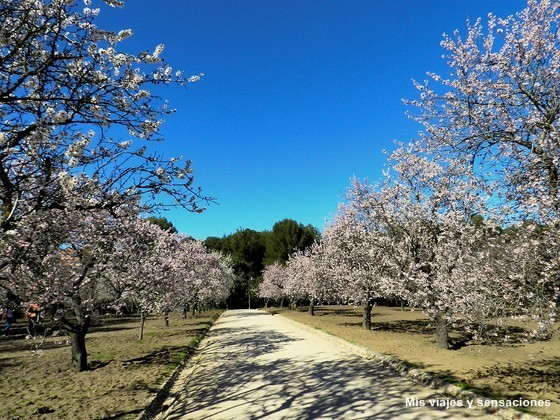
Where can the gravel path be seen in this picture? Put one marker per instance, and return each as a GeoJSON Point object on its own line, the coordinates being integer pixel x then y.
{"type": "Point", "coordinates": [257, 366]}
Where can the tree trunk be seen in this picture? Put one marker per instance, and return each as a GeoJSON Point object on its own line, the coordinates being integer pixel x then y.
{"type": "Point", "coordinates": [79, 353]}
{"type": "Point", "coordinates": [166, 319]}
{"type": "Point", "coordinates": [282, 303]}
{"type": "Point", "coordinates": [442, 333]}
{"type": "Point", "coordinates": [312, 307]}
{"type": "Point", "coordinates": [193, 309]}
{"type": "Point", "coordinates": [142, 321]}
{"type": "Point", "coordinates": [77, 333]}
{"type": "Point", "coordinates": [367, 306]}
{"type": "Point", "coordinates": [366, 318]}
{"type": "Point", "coordinates": [185, 311]}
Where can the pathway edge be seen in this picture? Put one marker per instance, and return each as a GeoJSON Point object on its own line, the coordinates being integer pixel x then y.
{"type": "Point", "coordinates": [155, 408]}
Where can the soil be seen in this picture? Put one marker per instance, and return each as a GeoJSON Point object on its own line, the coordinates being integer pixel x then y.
{"type": "Point", "coordinates": [518, 369]}
{"type": "Point", "coordinates": [124, 376]}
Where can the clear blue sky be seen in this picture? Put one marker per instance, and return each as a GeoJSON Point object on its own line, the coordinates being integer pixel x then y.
{"type": "Point", "coordinates": [298, 95]}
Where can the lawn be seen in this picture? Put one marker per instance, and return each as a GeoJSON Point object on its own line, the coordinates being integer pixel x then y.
{"type": "Point", "coordinates": [506, 371]}
{"type": "Point", "coordinates": [124, 377]}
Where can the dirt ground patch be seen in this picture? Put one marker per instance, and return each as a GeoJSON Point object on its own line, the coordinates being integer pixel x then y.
{"type": "Point", "coordinates": [506, 371]}
{"type": "Point", "coordinates": [125, 374]}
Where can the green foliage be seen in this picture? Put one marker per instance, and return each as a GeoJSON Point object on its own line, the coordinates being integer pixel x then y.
{"type": "Point", "coordinates": [286, 237]}
{"type": "Point", "coordinates": [247, 249]}
{"type": "Point", "coordinates": [214, 243]}
{"type": "Point", "coordinates": [163, 223]}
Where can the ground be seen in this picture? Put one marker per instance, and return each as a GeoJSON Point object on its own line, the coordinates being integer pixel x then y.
{"type": "Point", "coordinates": [125, 373]}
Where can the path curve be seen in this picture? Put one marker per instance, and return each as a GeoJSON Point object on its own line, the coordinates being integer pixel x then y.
{"type": "Point", "coordinates": [254, 365]}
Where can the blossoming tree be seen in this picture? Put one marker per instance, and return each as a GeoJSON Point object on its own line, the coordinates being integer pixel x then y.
{"type": "Point", "coordinates": [273, 283]}
{"type": "Point", "coordinates": [354, 248]}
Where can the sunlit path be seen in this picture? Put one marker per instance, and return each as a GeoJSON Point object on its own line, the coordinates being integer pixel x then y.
{"type": "Point", "coordinates": [254, 365]}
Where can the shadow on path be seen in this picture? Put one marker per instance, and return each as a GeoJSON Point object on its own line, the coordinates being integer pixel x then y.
{"type": "Point", "coordinates": [248, 369]}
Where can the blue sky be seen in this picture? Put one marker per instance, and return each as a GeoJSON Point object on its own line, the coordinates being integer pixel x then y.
{"type": "Point", "coordinates": [298, 95]}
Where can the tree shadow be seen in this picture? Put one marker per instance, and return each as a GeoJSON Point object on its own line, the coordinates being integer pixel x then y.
{"type": "Point", "coordinates": [114, 323]}
{"type": "Point", "coordinates": [535, 377]}
{"type": "Point", "coordinates": [405, 326]}
{"type": "Point", "coordinates": [508, 335]}
{"type": "Point", "coordinates": [108, 329]}
{"type": "Point", "coordinates": [125, 414]}
{"type": "Point", "coordinates": [161, 356]}
{"type": "Point", "coordinates": [6, 362]}
{"type": "Point", "coordinates": [94, 365]}
{"type": "Point", "coordinates": [352, 324]}
{"type": "Point", "coordinates": [350, 312]}
{"type": "Point", "coordinates": [200, 323]}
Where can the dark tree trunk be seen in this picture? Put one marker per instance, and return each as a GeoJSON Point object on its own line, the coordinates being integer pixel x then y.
{"type": "Point", "coordinates": [79, 353]}
{"type": "Point", "coordinates": [367, 307]}
{"type": "Point", "coordinates": [77, 333]}
{"type": "Point", "coordinates": [142, 322]}
{"type": "Point", "coordinates": [312, 307]}
{"type": "Point", "coordinates": [78, 329]}
{"type": "Point", "coordinates": [166, 319]}
{"type": "Point", "coordinates": [366, 317]}
{"type": "Point", "coordinates": [282, 303]}
{"type": "Point", "coordinates": [193, 309]}
{"type": "Point", "coordinates": [185, 311]}
{"type": "Point", "coordinates": [442, 333]}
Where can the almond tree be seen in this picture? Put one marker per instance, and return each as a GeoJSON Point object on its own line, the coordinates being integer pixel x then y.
{"type": "Point", "coordinates": [62, 268]}
{"type": "Point", "coordinates": [273, 283]}
{"type": "Point", "coordinates": [523, 261]}
{"type": "Point", "coordinates": [499, 109]}
{"type": "Point", "coordinates": [422, 233]}
{"type": "Point", "coordinates": [299, 268]}
{"type": "Point", "coordinates": [161, 271]}
{"type": "Point", "coordinates": [213, 276]}
{"type": "Point", "coordinates": [310, 276]}
{"type": "Point", "coordinates": [77, 115]}
{"type": "Point", "coordinates": [142, 265]}
{"type": "Point", "coordinates": [204, 277]}
{"type": "Point", "coordinates": [355, 249]}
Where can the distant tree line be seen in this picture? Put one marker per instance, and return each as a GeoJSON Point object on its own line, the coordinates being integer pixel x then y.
{"type": "Point", "coordinates": [250, 251]}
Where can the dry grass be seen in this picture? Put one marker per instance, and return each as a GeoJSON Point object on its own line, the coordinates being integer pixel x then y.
{"type": "Point", "coordinates": [508, 371]}
{"type": "Point", "coordinates": [125, 374]}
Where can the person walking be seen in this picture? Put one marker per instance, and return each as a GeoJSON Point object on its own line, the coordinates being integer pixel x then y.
{"type": "Point", "coordinates": [9, 320]}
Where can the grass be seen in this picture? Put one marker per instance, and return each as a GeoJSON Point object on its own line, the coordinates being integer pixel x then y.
{"type": "Point", "coordinates": [528, 370]}
{"type": "Point", "coordinates": [124, 377]}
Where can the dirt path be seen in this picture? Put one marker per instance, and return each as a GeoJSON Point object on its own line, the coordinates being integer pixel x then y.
{"type": "Point", "coordinates": [254, 365]}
